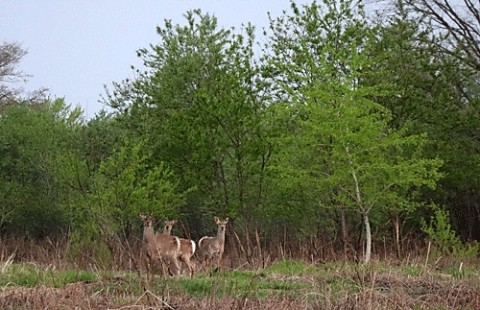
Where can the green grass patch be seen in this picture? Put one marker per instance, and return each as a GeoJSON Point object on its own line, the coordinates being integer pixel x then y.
{"type": "Point", "coordinates": [30, 275]}
{"type": "Point", "coordinates": [237, 284]}
{"type": "Point", "coordinates": [290, 267]}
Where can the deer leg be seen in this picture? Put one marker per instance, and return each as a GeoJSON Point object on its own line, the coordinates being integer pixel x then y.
{"type": "Point", "coordinates": [165, 267]}
{"type": "Point", "coordinates": [176, 266]}
{"type": "Point", "coordinates": [218, 263]}
{"type": "Point", "coordinates": [148, 265]}
{"type": "Point", "coordinates": [210, 264]}
{"type": "Point", "coordinates": [187, 261]}
{"type": "Point", "coordinates": [201, 262]}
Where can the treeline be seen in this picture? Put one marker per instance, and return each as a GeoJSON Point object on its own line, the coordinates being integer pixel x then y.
{"type": "Point", "coordinates": [338, 129]}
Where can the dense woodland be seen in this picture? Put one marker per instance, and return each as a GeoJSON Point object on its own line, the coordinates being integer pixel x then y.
{"type": "Point", "coordinates": [333, 133]}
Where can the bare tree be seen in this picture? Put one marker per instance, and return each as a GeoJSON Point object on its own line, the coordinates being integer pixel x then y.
{"type": "Point", "coordinates": [10, 76]}
{"type": "Point", "coordinates": [10, 56]}
{"type": "Point", "coordinates": [461, 21]}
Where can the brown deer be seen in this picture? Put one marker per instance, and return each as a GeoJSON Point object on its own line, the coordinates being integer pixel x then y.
{"type": "Point", "coordinates": [210, 248]}
{"type": "Point", "coordinates": [187, 247]}
{"type": "Point", "coordinates": [159, 246]}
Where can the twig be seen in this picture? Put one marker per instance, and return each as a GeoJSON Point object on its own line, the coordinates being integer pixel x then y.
{"type": "Point", "coordinates": [428, 254]}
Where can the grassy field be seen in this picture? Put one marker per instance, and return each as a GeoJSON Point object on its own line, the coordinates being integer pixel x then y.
{"type": "Point", "coordinates": [283, 285]}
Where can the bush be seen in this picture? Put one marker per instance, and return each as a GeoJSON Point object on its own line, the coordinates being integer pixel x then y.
{"type": "Point", "coordinates": [445, 238]}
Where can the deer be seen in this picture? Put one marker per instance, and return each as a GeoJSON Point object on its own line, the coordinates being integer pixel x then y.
{"type": "Point", "coordinates": [159, 246]}
{"type": "Point", "coordinates": [187, 247]}
{"type": "Point", "coordinates": [210, 248]}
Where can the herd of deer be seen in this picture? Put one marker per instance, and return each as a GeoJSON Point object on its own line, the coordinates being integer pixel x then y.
{"type": "Point", "coordinates": [165, 247]}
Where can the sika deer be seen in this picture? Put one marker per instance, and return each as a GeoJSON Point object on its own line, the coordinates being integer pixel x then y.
{"type": "Point", "coordinates": [187, 247]}
{"type": "Point", "coordinates": [213, 247]}
{"type": "Point", "coordinates": [159, 246]}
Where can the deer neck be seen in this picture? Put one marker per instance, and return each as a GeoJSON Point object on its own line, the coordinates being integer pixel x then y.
{"type": "Point", "coordinates": [221, 234]}
{"type": "Point", "coordinates": [148, 233]}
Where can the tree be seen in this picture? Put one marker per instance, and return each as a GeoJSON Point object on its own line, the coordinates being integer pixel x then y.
{"type": "Point", "coordinates": [319, 62]}
{"type": "Point", "coordinates": [34, 143]}
{"type": "Point", "coordinates": [126, 185]}
{"type": "Point", "coordinates": [10, 56]}
{"type": "Point", "coordinates": [459, 24]}
{"type": "Point", "coordinates": [197, 109]}
{"type": "Point", "coordinates": [437, 94]}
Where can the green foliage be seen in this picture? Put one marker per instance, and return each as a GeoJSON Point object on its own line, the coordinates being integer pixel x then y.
{"type": "Point", "coordinates": [338, 116]}
{"type": "Point", "coordinates": [125, 185]}
{"type": "Point", "coordinates": [433, 95]}
{"type": "Point", "coordinates": [445, 239]}
{"type": "Point", "coordinates": [34, 142]}
{"type": "Point", "coordinates": [335, 141]}
{"type": "Point", "coordinates": [99, 139]}
{"type": "Point", "coordinates": [197, 109]}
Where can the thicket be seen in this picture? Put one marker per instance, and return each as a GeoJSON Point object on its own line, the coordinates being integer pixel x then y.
{"type": "Point", "coordinates": [340, 131]}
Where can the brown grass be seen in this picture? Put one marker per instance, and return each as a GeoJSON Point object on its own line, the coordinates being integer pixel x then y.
{"type": "Point", "coordinates": [378, 291]}
{"type": "Point", "coordinates": [335, 288]}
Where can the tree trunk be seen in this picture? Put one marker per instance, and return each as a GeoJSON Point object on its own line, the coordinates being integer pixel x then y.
{"type": "Point", "coordinates": [396, 226]}
{"type": "Point", "coordinates": [343, 223]}
{"type": "Point", "coordinates": [364, 211]}
{"type": "Point", "coordinates": [368, 238]}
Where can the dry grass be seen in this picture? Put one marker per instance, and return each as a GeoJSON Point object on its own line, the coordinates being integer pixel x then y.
{"type": "Point", "coordinates": [411, 284]}
{"type": "Point", "coordinates": [335, 287]}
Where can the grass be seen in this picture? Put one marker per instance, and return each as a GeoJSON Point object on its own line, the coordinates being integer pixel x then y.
{"type": "Point", "coordinates": [281, 285]}
{"type": "Point", "coordinates": [30, 275]}
{"type": "Point", "coordinates": [237, 283]}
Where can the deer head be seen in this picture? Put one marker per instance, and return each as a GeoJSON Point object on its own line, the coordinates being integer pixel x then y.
{"type": "Point", "coordinates": [167, 229]}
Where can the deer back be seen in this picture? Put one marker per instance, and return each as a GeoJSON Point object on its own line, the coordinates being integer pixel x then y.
{"type": "Point", "coordinates": [167, 245]}
{"type": "Point", "coordinates": [209, 246]}
{"type": "Point", "coordinates": [187, 247]}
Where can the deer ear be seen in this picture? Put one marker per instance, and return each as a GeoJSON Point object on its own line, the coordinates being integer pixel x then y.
{"type": "Point", "coordinates": [216, 219]}
{"type": "Point", "coordinates": [226, 220]}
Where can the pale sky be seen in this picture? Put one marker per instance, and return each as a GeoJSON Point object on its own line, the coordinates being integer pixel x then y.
{"type": "Point", "coordinates": [77, 46]}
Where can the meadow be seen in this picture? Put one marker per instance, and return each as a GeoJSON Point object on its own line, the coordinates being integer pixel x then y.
{"type": "Point", "coordinates": [283, 284]}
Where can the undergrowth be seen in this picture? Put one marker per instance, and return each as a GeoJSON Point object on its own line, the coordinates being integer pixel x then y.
{"type": "Point", "coordinates": [279, 286]}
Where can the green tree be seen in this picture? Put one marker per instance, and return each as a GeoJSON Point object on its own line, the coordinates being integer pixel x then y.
{"type": "Point", "coordinates": [321, 55]}
{"type": "Point", "coordinates": [438, 91]}
{"type": "Point", "coordinates": [197, 109]}
{"type": "Point", "coordinates": [34, 141]}
{"type": "Point", "coordinates": [127, 184]}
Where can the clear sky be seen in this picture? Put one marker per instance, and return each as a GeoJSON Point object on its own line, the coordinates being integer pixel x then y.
{"type": "Point", "coordinates": [75, 47]}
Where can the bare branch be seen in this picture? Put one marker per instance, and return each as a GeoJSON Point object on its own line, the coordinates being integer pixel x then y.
{"type": "Point", "coordinates": [462, 22]}
{"type": "Point", "coordinates": [10, 56]}
{"type": "Point", "coordinates": [10, 92]}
